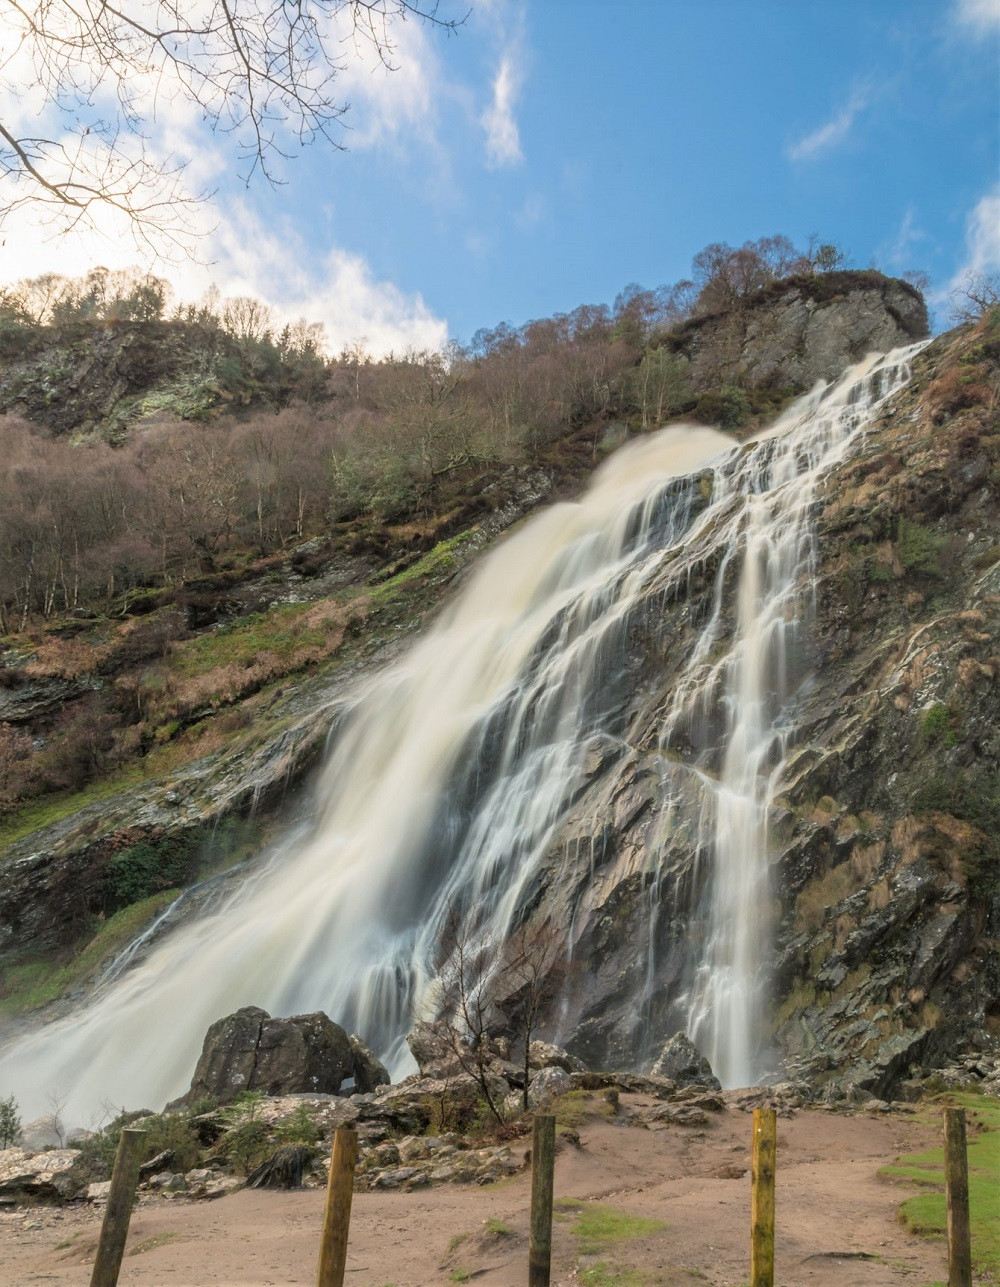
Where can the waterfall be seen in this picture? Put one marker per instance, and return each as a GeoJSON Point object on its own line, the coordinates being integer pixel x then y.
{"type": "Point", "coordinates": [452, 772]}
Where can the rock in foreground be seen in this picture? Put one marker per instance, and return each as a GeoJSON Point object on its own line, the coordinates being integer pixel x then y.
{"type": "Point", "coordinates": [248, 1050]}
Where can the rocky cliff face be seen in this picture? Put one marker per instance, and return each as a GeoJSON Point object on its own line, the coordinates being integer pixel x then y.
{"type": "Point", "coordinates": [801, 330]}
{"type": "Point", "coordinates": [88, 378]}
{"type": "Point", "coordinates": [883, 836]}
{"type": "Point", "coordinates": [886, 893]}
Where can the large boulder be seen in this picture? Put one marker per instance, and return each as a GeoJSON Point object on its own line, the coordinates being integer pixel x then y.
{"type": "Point", "coordinates": [547, 1084]}
{"type": "Point", "coordinates": [249, 1050]}
{"type": "Point", "coordinates": [27, 1176]}
{"type": "Point", "coordinates": [542, 1054]}
{"type": "Point", "coordinates": [682, 1061]}
{"type": "Point", "coordinates": [369, 1070]}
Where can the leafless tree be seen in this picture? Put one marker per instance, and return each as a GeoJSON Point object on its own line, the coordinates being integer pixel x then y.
{"type": "Point", "coordinates": [262, 72]}
{"type": "Point", "coordinates": [494, 987]}
{"type": "Point", "coordinates": [978, 293]}
{"type": "Point", "coordinates": [533, 971]}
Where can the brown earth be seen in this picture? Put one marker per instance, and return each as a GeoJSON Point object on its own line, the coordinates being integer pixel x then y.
{"type": "Point", "coordinates": [837, 1221]}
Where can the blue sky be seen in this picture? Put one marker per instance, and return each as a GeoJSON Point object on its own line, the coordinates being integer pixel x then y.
{"type": "Point", "coordinates": [553, 151]}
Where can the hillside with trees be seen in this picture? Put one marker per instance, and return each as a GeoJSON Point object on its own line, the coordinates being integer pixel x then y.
{"type": "Point", "coordinates": [199, 502]}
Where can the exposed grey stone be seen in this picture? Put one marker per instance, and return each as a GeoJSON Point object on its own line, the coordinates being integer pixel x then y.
{"type": "Point", "coordinates": [249, 1050]}
{"type": "Point", "coordinates": [546, 1085]}
{"type": "Point", "coordinates": [368, 1069]}
{"type": "Point", "coordinates": [682, 1061]}
{"type": "Point", "coordinates": [542, 1054]}
{"type": "Point", "coordinates": [41, 1177]}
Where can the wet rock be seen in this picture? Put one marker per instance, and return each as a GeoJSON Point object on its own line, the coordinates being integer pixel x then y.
{"type": "Point", "coordinates": [368, 1069]}
{"type": "Point", "coordinates": [636, 1083]}
{"type": "Point", "coordinates": [802, 330]}
{"type": "Point", "coordinates": [384, 1156]}
{"type": "Point", "coordinates": [678, 1115]}
{"type": "Point", "coordinates": [397, 1177]}
{"type": "Point", "coordinates": [155, 1164]}
{"type": "Point", "coordinates": [413, 1149]}
{"type": "Point", "coordinates": [683, 1062]}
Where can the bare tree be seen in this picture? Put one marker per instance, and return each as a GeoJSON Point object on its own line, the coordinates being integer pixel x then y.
{"type": "Point", "coordinates": [533, 970]}
{"type": "Point", "coordinates": [978, 293]}
{"type": "Point", "coordinates": [494, 988]}
{"type": "Point", "coordinates": [260, 71]}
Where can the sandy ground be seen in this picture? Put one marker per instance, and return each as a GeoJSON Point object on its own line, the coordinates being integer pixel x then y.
{"type": "Point", "coordinates": [836, 1221]}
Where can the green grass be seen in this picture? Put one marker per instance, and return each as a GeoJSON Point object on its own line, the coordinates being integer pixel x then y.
{"type": "Point", "coordinates": [604, 1275]}
{"type": "Point", "coordinates": [31, 984]}
{"type": "Point", "coordinates": [32, 817]}
{"type": "Point", "coordinates": [497, 1227]}
{"type": "Point", "coordinates": [598, 1226]}
{"type": "Point", "coordinates": [925, 1212]}
{"type": "Point", "coordinates": [436, 562]}
{"type": "Point", "coordinates": [150, 1244]}
{"type": "Point", "coordinates": [280, 631]}
{"type": "Point", "coordinates": [576, 1106]}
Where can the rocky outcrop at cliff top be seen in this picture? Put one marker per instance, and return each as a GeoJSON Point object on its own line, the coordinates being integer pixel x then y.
{"type": "Point", "coordinates": [83, 377]}
{"type": "Point", "coordinates": [801, 330]}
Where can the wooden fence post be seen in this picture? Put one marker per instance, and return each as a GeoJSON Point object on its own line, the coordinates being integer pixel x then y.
{"type": "Point", "coordinates": [118, 1212]}
{"type": "Point", "coordinates": [765, 1130]}
{"type": "Point", "coordinates": [543, 1157]}
{"type": "Point", "coordinates": [337, 1217]}
{"type": "Point", "coordinates": [956, 1187]}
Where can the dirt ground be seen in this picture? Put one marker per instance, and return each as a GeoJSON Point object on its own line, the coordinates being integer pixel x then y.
{"type": "Point", "coordinates": [836, 1221]}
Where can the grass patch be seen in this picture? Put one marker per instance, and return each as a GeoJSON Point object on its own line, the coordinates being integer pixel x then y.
{"type": "Point", "coordinates": [439, 561]}
{"type": "Point", "coordinates": [572, 1109]}
{"type": "Point", "coordinates": [32, 817]}
{"type": "Point", "coordinates": [599, 1226]}
{"type": "Point", "coordinates": [282, 630]}
{"type": "Point", "coordinates": [31, 984]}
{"type": "Point", "coordinates": [925, 1212]}
{"type": "Point", "coordinates": [605, 1275]}
{"type": "Point", "coordinates": [498, 1228]}
{"type": "Point", "coordinates": [150, 1244]}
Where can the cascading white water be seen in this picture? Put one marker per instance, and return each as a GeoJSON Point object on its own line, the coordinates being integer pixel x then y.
{"type": "Point", "coordinates": [768, 495]}
{"type": "Point", "coordinates": [447, 785]}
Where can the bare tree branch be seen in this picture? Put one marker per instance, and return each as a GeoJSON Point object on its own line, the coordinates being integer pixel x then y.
{"type": "Point", "coordinates": [259, 71]}
{"type": "Point", "coordinates": [978, 293]}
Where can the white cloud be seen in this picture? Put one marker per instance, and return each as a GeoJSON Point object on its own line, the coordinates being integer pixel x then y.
{"type": "Point", "coordinates": [503, 139]}
{"type": "Point", "coordinates": [908, 236]}
{"type": "Point", "coordinates": [533, 210]}
{"type": "Point", "coordinates": [982, 240]}
{"type": "Point", "coordinates": [391, 98]}
{"type": "Point", "coordinates": [982, 15]}
{"type": "Point", "coordinates": [236, 250]}
{"type": "Point", "coordinates": [830, 134]}
{"type": "Point", "coordinates": [341, 291]}
{"type": "Point", "coordinates": [246, 258]}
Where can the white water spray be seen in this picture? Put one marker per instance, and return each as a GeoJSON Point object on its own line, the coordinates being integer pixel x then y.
{"type": "Point", "coordinates": [447, 786]}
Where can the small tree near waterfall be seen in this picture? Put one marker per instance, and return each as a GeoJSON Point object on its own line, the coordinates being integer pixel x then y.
{"type": "Point", "coordinates": [535, 972]}
{"type": "Point", "coordinates": [10, 1122]}
{"type": "Point", "coordinates": [495, 992]}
